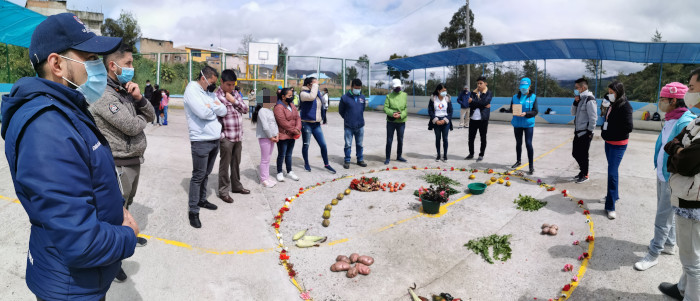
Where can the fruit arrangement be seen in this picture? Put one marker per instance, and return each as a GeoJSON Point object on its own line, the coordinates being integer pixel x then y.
{"type": "Point", "coordinates": [306, 241]}
{"type": "Point", "coordinates": [344, 263]}
{"type": "Point", "coordinates": [366, 184]}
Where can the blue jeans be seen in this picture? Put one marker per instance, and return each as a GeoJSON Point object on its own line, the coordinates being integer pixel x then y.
{"type": "Point", "coordinates": [528, 143]}
{"type": "Point", "coordinates": [399, 127]}
{"type": "Point", "coordinates": [165, 115]}
{"type": "Point", "coordinates": [441, 131]}
{"type": "Point", "coordinates": [251, 109]}
{"type": "Point", "coordinates": [664, 223]}
{"type": "Point", "coordinates": [307, 130]}
{"type": "Point", "coordinates": [359, 135]}
{"type": "Point", "coordinates": [284, 153]}
{"type": "Point", "coordinates": [614, 155]}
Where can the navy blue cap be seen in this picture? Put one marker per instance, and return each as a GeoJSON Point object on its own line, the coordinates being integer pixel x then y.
{"type": "Point", "coordinates": [65, 31]}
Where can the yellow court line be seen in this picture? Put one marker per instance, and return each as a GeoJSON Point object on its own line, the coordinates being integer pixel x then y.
{"type": "Point", "coordinates": [16, 201]}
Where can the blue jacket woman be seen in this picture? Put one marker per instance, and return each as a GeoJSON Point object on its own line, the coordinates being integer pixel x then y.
{"type": "Point", "coordinates": [524, 123]}
{"type": "Point", "coordinates": [440, 111]}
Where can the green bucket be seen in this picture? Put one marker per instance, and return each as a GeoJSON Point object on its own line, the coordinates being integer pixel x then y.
{"type": "Point", "coordinates": [430, 207]}
{"type": "Point", "coordinates": [476, 188]}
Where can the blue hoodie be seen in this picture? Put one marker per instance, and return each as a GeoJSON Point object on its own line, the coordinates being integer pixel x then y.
{"type": "Point", "coordinates": [682, 122]}
{"type": "Point", "coordinates": [64, 176]}
{"type": "Point", "coordinates": [352, 109]}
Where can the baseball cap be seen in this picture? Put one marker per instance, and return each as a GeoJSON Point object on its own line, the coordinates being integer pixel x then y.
{"type": "Point", "coordinates": [395, 83]}
{"type": "Point", "coordinates": [65, 31]}
{"type": "Point", "coordinates": [525, 83]}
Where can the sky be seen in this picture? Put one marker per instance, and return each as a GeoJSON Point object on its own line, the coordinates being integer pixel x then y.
{"type": "Point", "coordinates": [379, 28]}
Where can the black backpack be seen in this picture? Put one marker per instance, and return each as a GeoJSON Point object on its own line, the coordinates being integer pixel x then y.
{"type": "Point", "coordinates": [656, 117]}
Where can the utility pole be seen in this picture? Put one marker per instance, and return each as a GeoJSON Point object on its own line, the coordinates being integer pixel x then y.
{"type": "Point", "coordinates": [468, 67]}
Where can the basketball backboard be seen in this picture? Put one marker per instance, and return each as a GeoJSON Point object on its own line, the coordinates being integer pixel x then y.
{"type": "Point", "coordinates": [263, 53]}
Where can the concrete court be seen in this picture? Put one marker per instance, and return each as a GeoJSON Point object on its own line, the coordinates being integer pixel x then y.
{"type": "Point", "coordinates": [182, 270]}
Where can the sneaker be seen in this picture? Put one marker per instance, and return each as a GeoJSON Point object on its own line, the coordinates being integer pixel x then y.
{"type": "Point", "coordinates": [121, 276]}
{"type": "Point", "coordinates": [469, 157]}
{"type": "Point", "coordinates": [206, 205]}
{"type": "Point", "coordinates": [671, 290]}
{"type": "Point", "coordinates": [346, 165]}
{"type": "Point", "coordinates": [292, 176]}
{"type": "Point", "coordinates": [481, 158]}
{"type": "Point", "coordinates": [444, 159]}
{"type": "Point", "coordinates": [669, 250]}
{"type": "Point", "coordinates": [647, 262]}
{"type": "Point", "coordinates": [141, 242]}
{"type": "Point", "coordinates": [437, 159]}
{"type": "Point", "coordinates": [612, 215]}
{"type": "Point", "coordinates": [532, 170]}
{"type": "Point", "coordinates": [280, 177]}
{"type": "Point", "coordinates": [330, 169]}
{"type": "Point", "coordinates": [401, 159]}
{"type": "Point", "coordinates": [362, 163]}
{"type": "Point", "coordinates": [581, 179]}
{"type": "Point", "coordinates": [386, 162]}
{"type": "Point", "coordinates": [516, 165]}
{"type": "Point", "coordinates": [307, 167]}
{"type": "Point", "coordinates": [269, 183]}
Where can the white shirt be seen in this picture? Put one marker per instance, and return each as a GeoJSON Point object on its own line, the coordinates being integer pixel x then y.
{"type": "Point", "coordinates": [477, 112]}
{"type": "Point", "coordinates": [665, 133]}
{"type": "Point", "coordinates": [201, 111]}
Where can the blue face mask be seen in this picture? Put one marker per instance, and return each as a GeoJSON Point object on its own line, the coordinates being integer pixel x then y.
{"type": "Point", "coordinates": [524, 90]}
{"type": "Point", "coordinates": [96, 82]}
{"type": "Point", "coordinates": [356, 91]}
{"type": "Point", "coordinates": [126, 76]}
{"type": "Point", "coordinates": [576, 92]}
{"type": "Point", "coordinates": [443, 93]}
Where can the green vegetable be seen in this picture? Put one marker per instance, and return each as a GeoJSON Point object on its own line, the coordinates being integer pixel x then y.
{"type": "Point", "coordinates": [528, 203]}
{"type": "Point", "coordinates": [500, 245]}
{"type": "Point", "coordinates": [438, 179]}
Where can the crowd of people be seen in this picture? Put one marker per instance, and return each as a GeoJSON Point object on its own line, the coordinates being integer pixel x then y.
{"type": "Point", "coordinates": [74, 141]}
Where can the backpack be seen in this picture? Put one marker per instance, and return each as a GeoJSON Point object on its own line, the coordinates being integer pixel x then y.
{"type": "Point", "coordinates": [645, 115]}
{"type": "Point", "coordinates": [656, 116]}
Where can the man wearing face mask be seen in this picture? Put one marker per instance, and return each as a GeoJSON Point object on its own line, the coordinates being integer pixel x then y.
{"type": "Point", "coordinates": [352, 109]}
{"type": "Point", "coordinates": [62, 167]}
{"type": "Point", "coordinates": [202, 110]}
{"type": "Point", "coordinates": [584, 109]}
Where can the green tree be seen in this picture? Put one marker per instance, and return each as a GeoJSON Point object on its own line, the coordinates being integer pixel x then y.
{"type": "Point", "coordinates": [350, 73]}
{"type": "Point", "coordinates": [657, 37]}
{"type": "Point", "coordinates": [126, 27]}
{"type": "Point", "coordinates": [362, 64]}
{"type": "Point", "coordinates": [244, 43]}
{"type": "Point", "coordinates": [455, 35]}
{"type": "Point", "coordinates": [394, 73]}
{"type": "Point", "coordinates": [282, 63]}
{"type": "Point", "coordinates": [19, 63]}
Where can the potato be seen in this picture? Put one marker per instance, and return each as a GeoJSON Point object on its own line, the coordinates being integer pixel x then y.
{"type": "Point", "coordinates": [352, 272]}
{"type": "Point", "coordinates": [552, 231]}
{"type": "Point", "coordinates": [365, 260]}
{"type": "Point", "coordinates": [342, 258]}
{"type": "Point", "coordinates": [340, 266]}
{"type": "Point", "coordinates": [554, 226]}
{"type": "Point", "coordinates": [545, 226]}
{"type": "Point", "coordinates": [326, 223]}
{"type": "Point", "coordinates": [354, 257]}
{"type": "Point", "coordinates": [545, 230]}
{"type": "Point", "coordinates": [362, 269]}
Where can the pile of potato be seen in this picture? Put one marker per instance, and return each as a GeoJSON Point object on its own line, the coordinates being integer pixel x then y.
{"type": "Point", "coordinates": [550, 229]}
{"type": "Point", "coordinates": [344, 263]}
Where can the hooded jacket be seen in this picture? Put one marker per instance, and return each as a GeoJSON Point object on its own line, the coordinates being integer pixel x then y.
{"type": "Point", "coordinates": [122, 121]}
{"type": "Point", "coordinates": [311, 104]}
{"type": "Point", "coordinates": [585, 112]}
{"type": "Point", "coordinates": [352, 109]}
{"type": "Point", "coordinates": [64, 176]}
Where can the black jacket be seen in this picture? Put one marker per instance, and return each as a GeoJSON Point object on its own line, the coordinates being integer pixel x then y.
{"type": "Point", "coordinates": [431, 112]}
{"type": "Point", "coordinates": [619, 121]}
{"type": "Point", "coordinates": [156, 98]}
{"type": "Point", "coordinates": [481, 103]}
{"type": "Point", "coordinates": [148, 92]}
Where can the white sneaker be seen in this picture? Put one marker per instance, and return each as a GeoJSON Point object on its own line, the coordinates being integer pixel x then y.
{"type": "Point", "coordinates": [669, 250]}
{"type": "Point", "coordinates": [280, 177]}
{"type": "Point", "coordinates": [647, 262]}
{"type": "Point", "coordinates": [292, 176]}
{"type": "Point", "coordinates": [269, 183]}
{"type": "Point", "coordinates": [612, 215]}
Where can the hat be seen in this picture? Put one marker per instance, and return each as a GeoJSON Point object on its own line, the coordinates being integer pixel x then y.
{"type": "Point", "coordinates": [466, 87]}
{"type": "Point", "coordinates": [395, 83]}
{"type": "Point", "coordinates": [61, 32]}
{"type": "Point", "coordinates": [279, 87]}
{"type": "Point", "coordinates": [674, 90]}
{"type": "Point", "coordinates": [525, 83]}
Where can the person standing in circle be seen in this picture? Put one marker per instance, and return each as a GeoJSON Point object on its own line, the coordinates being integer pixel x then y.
{"type": "Point", "coordinates": [524, 122]}
{"type": "Point", "coordinates": [440, 111]}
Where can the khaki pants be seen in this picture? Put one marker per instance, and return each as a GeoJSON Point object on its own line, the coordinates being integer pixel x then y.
{"type": "Point", "coordinates": [688, 240]}
{"type": "Point", "coordinates": [230, 155]}
{"type": "Point", "coordinates": [464, 117]}
{"type": "Point", "coordinates": [129, 177]}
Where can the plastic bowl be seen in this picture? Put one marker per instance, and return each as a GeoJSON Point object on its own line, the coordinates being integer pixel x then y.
{"type": "Point", "coordinates": [476, 188]}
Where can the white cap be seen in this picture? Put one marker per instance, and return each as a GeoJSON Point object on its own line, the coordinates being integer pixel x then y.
{"type": "Point", "coordinates": [395, 83]}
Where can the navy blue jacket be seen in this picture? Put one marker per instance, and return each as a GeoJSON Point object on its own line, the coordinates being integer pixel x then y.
{"type": "Point", "coordinates": [352, 109]}
{"type": "Point", "coordinates": [431, 112]}
{"type": "Point", "coordinates": [64, 176]}
{"type": "Point", "coordinates": [481, 103]}
{"type": "Point", "coordinates": [463, 99]}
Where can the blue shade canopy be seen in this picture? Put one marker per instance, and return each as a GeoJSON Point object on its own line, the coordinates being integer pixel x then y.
{"type": "Point", "coordinates": [17, 24]}
{"type": "Point", "coordinates": [565, 49]}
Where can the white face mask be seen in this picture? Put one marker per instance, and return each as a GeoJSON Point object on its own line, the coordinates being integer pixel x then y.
{"type": "Point", "coordinates": [611, 97]}
{"type": "Point", "coordinates": [691, 99]}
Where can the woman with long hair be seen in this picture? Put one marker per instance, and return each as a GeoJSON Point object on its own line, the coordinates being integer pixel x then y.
{"type": "Point", "coordinates": [440, 111]}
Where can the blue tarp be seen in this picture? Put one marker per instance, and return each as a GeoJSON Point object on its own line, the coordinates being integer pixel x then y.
{"type": "Point", "coordinates": [17, 24]}
{"type": "Point", "coordinates": [576, 49]}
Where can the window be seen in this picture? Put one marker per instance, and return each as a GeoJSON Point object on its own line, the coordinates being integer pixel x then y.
{"type": "Point", "coordinates": [216, 55]}
{"type": "Point", "coordinates": [196, 53]}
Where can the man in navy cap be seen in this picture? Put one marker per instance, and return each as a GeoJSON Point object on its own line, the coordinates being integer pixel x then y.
{"type": "Point", "coordinates": [62, 167]}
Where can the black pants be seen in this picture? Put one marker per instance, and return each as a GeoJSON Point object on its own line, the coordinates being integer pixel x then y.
{"type": "Point", "coordinates": [528, 143]}
{"type": "Point", "coordinates": [323, 115]}
{"type": "Point", "coordinates": [399, 128]}
{"type": "Point", "coordinates": [284, 154]}
{"type": "Point", "coordinates": [157, 110]}
{"type": "Point", "coordinates": [478, 125]}
{"type": "Point", "coordinates": [580, 151]}
{"type": "Point", "coordinates": [441, 131]}
{"type": "Point", "coordinates": [203, 159]}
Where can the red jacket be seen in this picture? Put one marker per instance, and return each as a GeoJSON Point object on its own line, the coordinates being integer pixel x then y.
{"type": "Point", "coordinates": [287, 121]}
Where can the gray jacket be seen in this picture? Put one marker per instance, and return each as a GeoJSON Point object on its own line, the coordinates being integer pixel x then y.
{"type": "Point", "coordinates": [122, 121]}
{"type": "Point", "coordinates": [586, 113]}
{"type": "Point", "coordinates": [266, 125]}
